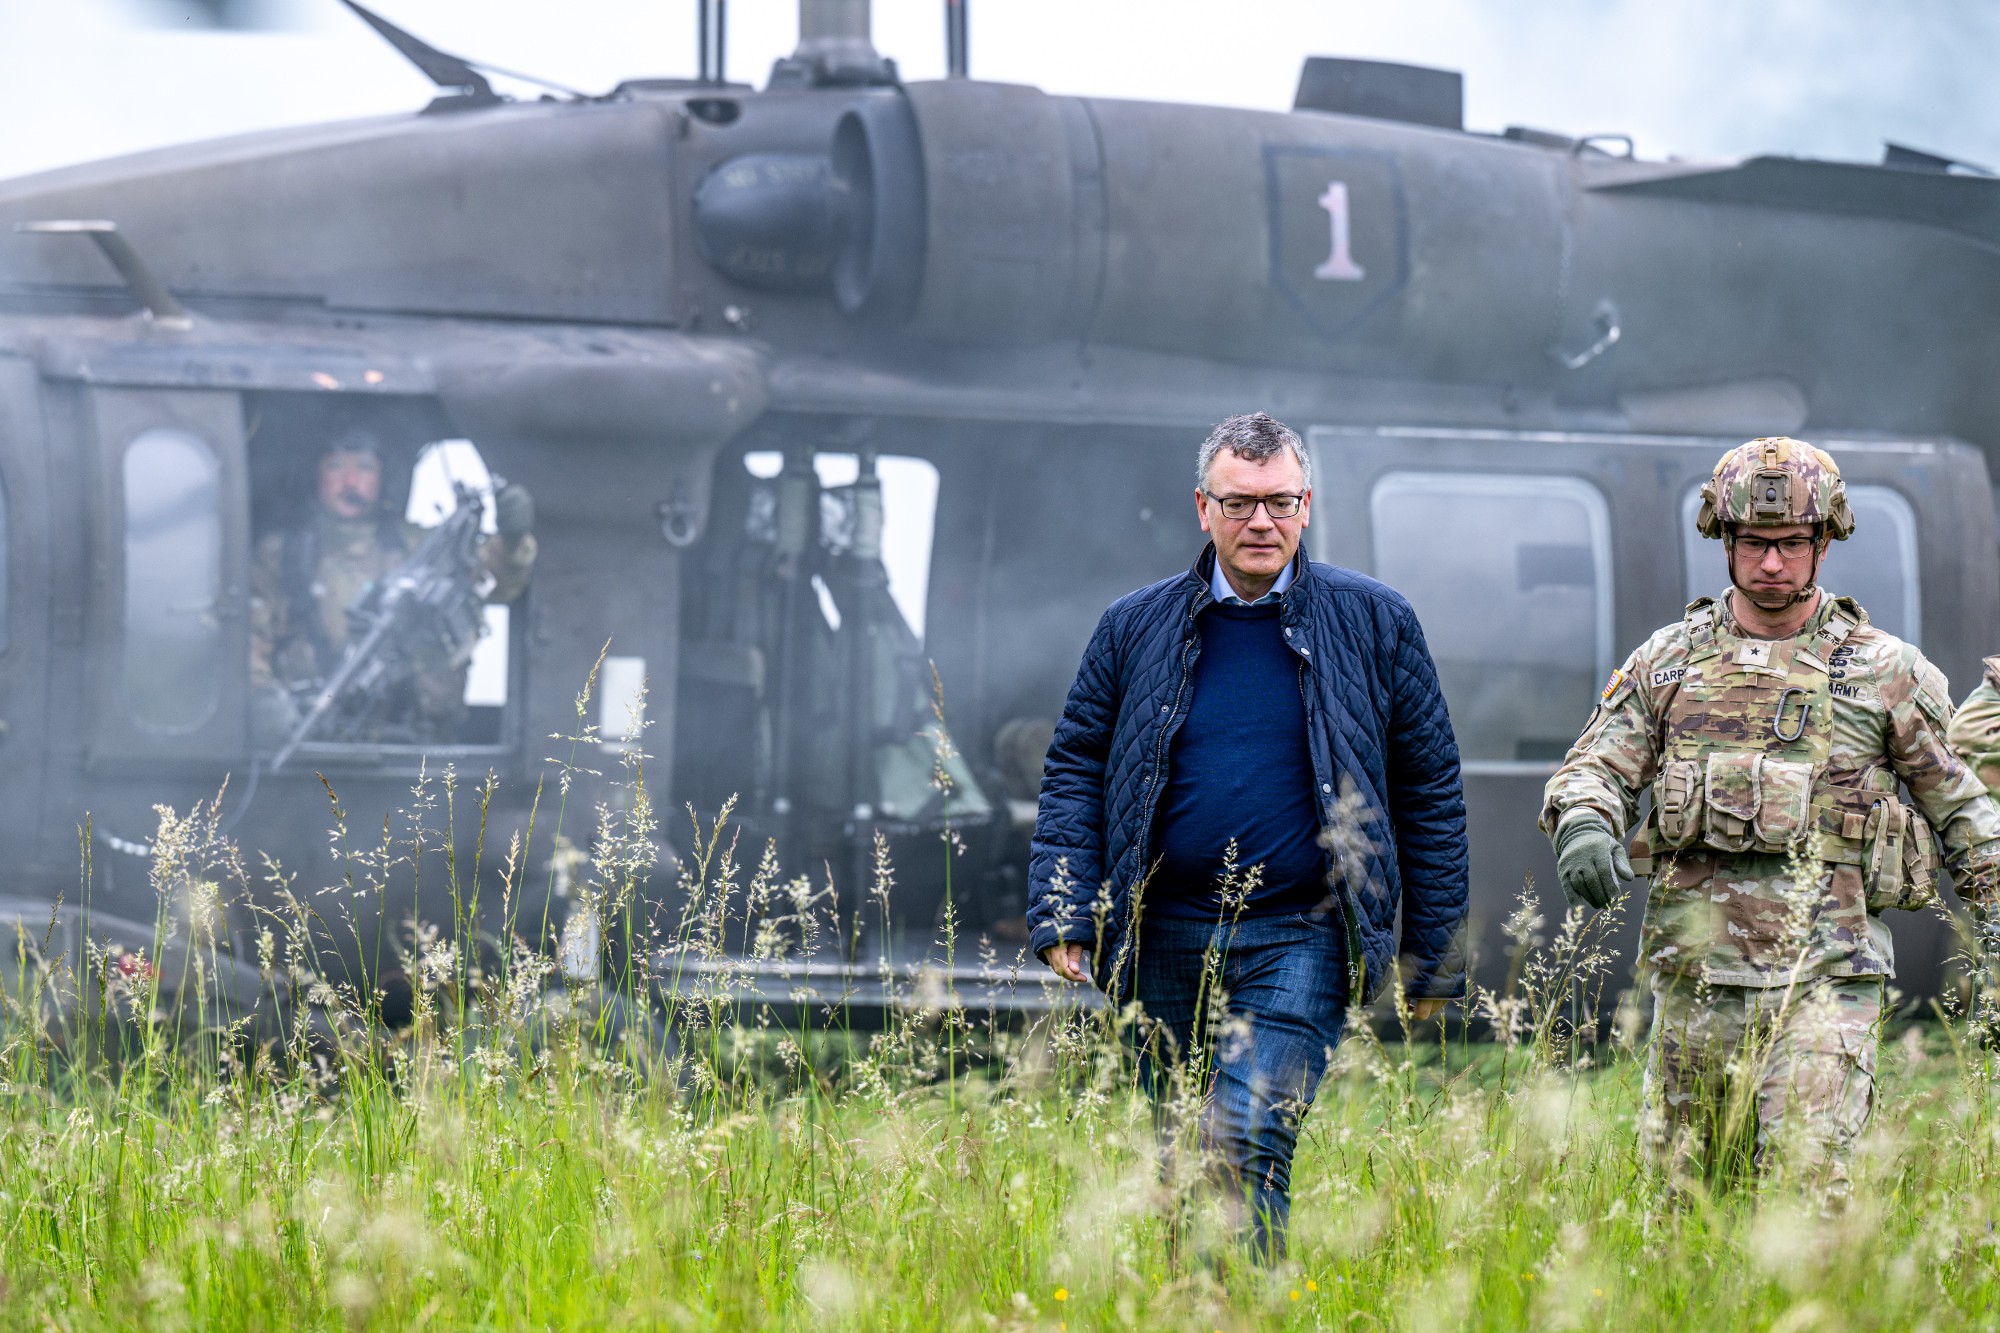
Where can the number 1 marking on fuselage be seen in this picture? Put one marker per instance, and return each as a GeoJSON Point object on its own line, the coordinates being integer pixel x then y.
{"type": "Point", "coordinates": [1339, 265]}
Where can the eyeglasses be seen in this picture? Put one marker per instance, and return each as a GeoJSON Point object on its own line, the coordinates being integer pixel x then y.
{"type": "Point", "coordinates": [1791, 548]}
{"type": "Point", "coordinates": [1242, 506]}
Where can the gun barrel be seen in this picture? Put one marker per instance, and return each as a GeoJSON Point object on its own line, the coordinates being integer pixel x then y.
{"type": "Point", "coordinates": [358, 656]}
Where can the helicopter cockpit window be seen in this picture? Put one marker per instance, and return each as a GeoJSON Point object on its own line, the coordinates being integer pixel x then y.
{"type": "Point", "coordinates": [1876, 566]}
{"type": "Point", "coordinates": [804, 680]}
{"type": "Point", "coordinates": [1515, 602]}
{"type": "Point", "coordinates": [173, 580]}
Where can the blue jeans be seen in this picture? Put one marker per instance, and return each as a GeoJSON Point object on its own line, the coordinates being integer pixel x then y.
{"type": "Point", "coordinates": [1285, 977]}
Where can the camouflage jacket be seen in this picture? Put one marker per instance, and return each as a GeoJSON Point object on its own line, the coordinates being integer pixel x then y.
{"type": "Point", "coordinates": [1975, 728]}
{"type": "Point", "coordinates": [1735, 918]}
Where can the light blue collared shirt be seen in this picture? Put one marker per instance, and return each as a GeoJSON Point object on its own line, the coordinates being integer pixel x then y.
{"type": "Point", "coordinates": [1219, 589]}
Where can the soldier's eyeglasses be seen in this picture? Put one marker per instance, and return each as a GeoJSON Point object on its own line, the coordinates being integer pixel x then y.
{"type": "Point", "coordinates": [1791, 548]}
{"type": "Point", "coordinates": [1242, 506]}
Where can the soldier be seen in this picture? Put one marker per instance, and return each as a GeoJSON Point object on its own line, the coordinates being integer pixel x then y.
{"type": "Point", "coordinates": [304, 579]}
{"type": "Point", "coordinates": [1771, 727]}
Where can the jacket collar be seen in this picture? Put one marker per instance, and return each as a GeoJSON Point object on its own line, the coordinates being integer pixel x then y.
{"type": "Point", "coordinates": [1293, 603]}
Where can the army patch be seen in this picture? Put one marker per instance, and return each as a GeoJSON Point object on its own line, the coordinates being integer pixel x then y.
{"type": "Point", "coordinates": [1670, 675]}
{"type": "Point", "coordinates": [1931, 695]}
{"type": "Point", "coordinates": [1611, 686]}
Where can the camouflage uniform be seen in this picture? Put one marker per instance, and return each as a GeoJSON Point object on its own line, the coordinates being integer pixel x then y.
{"type": "Point", "coordinates": [349, 555]}
{"type": "Point", "coordinates": [1975, 729]}
{"type": "Point", "coordinates": [1805, 1065]}
{"type": "Point", "coordinates": [1765, 759]}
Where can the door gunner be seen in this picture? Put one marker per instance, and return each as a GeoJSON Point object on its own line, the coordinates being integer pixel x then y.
{"type": "Point", "coordinates": [304, 580]}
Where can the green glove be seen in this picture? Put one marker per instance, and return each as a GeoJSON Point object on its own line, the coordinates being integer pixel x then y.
{"type": "Point", "coordinates": [1589, 861]}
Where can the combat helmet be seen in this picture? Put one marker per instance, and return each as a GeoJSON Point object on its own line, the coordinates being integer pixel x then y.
{"type": "Point", "coordinates": [1774, 481]}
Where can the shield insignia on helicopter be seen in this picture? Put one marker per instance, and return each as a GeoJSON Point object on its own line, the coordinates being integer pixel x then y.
{"type": "Point", "coordinates": [1339, 234]}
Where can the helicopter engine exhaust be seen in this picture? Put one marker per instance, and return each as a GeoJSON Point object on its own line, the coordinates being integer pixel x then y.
{"type": "Point", "coordinates": [958, 211]}
{"type": "Point", "coordinates": [878, 171]}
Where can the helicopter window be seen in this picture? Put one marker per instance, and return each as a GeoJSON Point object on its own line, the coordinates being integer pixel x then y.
{"type": "Point", "coordinates": [438, 466]}
{"type": "Point", "coordinates": [1516, 605]}
{"type": "Point", "coordinates": [173, 577]}
{"type": "Point", "coordinates": [1877, 566]}
{"type": "Point", "coordinates": [804, 648]}
{"type": "Point", "coordinates": [621, 699]}
{"type": "Point", "coordinates": [909, 511]}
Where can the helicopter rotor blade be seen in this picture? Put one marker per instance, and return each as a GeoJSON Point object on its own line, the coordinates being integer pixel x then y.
{"type": "Point", "coordinates": [441, 67]}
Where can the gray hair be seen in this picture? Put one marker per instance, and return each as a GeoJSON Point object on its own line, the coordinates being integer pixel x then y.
{"type": "Point", "coordinates": [1257, 437]}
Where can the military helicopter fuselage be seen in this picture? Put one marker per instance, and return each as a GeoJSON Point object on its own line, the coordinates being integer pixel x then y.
{"type": "Point", "coordinates": [819, 385]}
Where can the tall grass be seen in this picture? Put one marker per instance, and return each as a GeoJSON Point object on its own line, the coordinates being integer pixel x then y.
{"type": "Point", "coordinates": [617, 1135]}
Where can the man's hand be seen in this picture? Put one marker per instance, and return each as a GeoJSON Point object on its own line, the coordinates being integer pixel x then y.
{"type": "Point", "coordinates": [1589, 862]}
{"type": "Point", "coordinates": [1067, 961]}
{"type": "Point", "coordinates": [1425, 1010]}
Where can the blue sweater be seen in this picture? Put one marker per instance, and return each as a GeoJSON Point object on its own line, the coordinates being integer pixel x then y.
{"type": "Point", "coordinates": [1240, 768]}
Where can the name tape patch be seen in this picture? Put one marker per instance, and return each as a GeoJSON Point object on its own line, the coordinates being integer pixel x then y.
{"type": "Point", "coordinates": [1669, 676]}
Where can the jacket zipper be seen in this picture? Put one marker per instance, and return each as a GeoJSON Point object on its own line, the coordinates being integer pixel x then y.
{"type": "Point", "coordinates": [1357, 961]}
{"type": "Point", "coordinates": [1189, 648]}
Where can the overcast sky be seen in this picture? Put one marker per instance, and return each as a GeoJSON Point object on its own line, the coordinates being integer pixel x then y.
{"type": "Point", "coordinates": [1700, 78]}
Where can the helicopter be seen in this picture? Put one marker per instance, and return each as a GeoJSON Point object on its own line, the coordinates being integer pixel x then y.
{"type": "Point", "coordinates": [848, 403]}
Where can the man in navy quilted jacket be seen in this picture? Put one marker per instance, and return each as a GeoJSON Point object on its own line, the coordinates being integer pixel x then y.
{"type": "Point", "coordinates": [1253, 798]}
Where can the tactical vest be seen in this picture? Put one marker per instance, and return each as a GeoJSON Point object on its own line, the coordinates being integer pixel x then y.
{"type": "Point", "coordinates": [1743, 767]}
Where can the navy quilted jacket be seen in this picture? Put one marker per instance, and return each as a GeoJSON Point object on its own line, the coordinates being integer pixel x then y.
{"type": "Point", "coordinates": [1379, 732]}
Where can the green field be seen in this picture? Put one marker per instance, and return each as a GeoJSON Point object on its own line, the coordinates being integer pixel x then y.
{"type": "Point", "coordinates": [511, 1161]}
{"type": "Point", "coordinates": [556, 1192]}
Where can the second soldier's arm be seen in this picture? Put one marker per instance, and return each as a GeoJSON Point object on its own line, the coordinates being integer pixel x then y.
{"type": "Point", "coordinates": [1952, 798]}
{"type": "Point", "coordinates": [1975, 730]}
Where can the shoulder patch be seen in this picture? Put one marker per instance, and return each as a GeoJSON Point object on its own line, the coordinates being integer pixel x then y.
{"type": "Point", "coordinates": [1932, 693]}
{"type": "Point", "coordinates": [1611, 687]}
